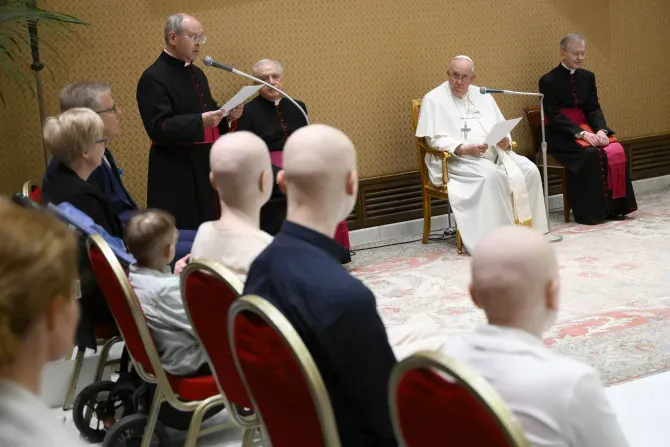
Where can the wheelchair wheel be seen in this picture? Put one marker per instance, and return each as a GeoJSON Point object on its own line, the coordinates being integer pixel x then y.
{"type": "Point", "coordinates": [128, 432]}
{"type": "Point", "coordinates": [98, 407]}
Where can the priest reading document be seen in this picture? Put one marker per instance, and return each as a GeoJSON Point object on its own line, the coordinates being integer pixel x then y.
{"type": "Point", "coordinates": [489, 186]}
{"type": "Point", "coordinates": [183, 121]}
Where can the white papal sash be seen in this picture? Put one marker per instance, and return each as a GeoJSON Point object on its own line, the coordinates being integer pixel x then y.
{"type": "Point", "coordinates": [519, 195]}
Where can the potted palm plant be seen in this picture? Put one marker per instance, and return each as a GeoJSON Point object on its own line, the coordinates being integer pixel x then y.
{"type": "Point", "coordinates": [19, 20]}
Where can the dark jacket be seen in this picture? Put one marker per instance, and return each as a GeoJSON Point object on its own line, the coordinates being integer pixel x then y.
{"type": "Point", "coordinates": [107, 177]}
{"type": "Point", "coordinates": [65, 185]}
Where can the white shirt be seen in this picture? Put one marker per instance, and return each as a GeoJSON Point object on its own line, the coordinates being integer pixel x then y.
{"type": "Point", "coordinates": [233, 249]}
{"type": "Point", "coordinates": [558, 401]}
{"type": "Point", "coordinates": [25, 421]}
{"type": "Point", "coordinates": [160, 297]}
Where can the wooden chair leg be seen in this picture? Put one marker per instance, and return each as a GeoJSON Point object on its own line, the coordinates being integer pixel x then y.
{"type": "Point", "coordinates": [459, 242]}
{"type": "Point", "coordinates": [566, 200]}
{"type": "Point", "coordinates": [427, 211]}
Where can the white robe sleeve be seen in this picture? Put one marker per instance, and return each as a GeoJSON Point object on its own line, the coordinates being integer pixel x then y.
{"type": "Point", "coordinates": [444, 143]}
{"type": "Point", "coordinates": [429, 127]}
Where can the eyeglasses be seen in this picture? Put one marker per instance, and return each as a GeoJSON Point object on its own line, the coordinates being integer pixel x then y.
{"type": "Point", "coordinates": [195, 38]}
{"type": "Point", "coordinates": [111, 109]}
{"type": "Point", "coordinates": [270, 77]}
{"type": "Point", "coordinates": [457, 78]}
{"type": "Point", "coordinates": [101, 140]}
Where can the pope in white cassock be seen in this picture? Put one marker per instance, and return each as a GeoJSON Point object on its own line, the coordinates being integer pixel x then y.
{"type": "Point", "coordinates": [489, 187]}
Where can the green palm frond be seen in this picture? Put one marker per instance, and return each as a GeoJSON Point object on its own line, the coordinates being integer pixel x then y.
{"type": "Point", "coordinates": [15, 16]}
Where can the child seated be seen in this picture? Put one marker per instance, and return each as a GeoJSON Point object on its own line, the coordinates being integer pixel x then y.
{"type": "Point", "coordinates": [151, 237]}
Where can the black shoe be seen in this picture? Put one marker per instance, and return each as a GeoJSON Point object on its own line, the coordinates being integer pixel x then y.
{"type": "Point", "coordinates": [616, 216]}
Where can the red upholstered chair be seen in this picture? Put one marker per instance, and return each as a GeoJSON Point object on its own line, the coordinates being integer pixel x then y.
{"type": "Point", "coordinates": [435, 400]}
{"type": "Point", "coordinates": [32, 190]}
{"type": "Point", "coordinates": [106, 335]}
{"type": "Point", "coordinates": [208, 290]}
{"type": "Point", "coordinates": [189, 394]}
{"type": "Point", "coordinates": [280, 375]}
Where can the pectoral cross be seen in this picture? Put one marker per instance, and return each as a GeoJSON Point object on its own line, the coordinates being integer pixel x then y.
{"type": "Point", "coordinates": [465, 131]}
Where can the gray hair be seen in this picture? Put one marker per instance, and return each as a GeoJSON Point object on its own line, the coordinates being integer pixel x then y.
{"type": "Point", "coordinates": [173, 24]}
{"type": "Point", "coordinates": [83, 94]}
{"type": "Point", "coordinates": [261, 62]}
{"type": "Point", "coordinates": [567, 40]}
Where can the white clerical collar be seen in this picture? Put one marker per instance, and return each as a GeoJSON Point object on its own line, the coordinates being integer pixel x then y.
{"type": "Point", "coordinates": [277, 101]}
{"type": "Point", "coordinates": [186, 64]}
{"type": "Point", "coordinates": [571, 70]}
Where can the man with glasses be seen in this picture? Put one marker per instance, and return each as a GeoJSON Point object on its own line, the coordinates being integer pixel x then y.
{"type": "Point", "coordinates": [182, 121]}
{"type": "Point", "coordinates": [598, 181]}
{"type": "Point", "coordinates": [489, 186]}
{"type": "Point", "coordinates": [274, 119]}
{"type": "Point", "coordinates": [97, 96]}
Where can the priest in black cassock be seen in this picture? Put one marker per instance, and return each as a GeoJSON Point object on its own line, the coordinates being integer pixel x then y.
{"type": "Point", "coordinates": [183, 121]}
{"type": "Point", "coordinates": [274, 119]}
{"type": "Point", "coordinates": [598, 179]}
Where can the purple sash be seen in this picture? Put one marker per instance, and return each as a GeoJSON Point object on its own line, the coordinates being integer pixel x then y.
{"type": "Point", "coordinates": [277, 158]}
{"type": "Point", "coordinates": [616, 157]}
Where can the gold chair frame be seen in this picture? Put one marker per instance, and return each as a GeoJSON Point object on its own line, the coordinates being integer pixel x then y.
{"type": "Point", "coordinates": [428, 190]}
{"type": "Point", "coordinates": [29, 187]}
{"type": "Point", "coordinates": [164, 391]}
{"type": "Point", "coordinates": [466, 377]}
{"type": "Point", "coordinates": [317, 389]}
{"type": "Point", "coordinates": [103, 362]}
{"type": "Point", "coordinates": [249, 424]}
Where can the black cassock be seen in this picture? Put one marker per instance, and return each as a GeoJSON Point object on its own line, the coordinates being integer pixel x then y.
{"type": "Point", "coordinates": [172, 97]}
{"type": "Point", "coordinates": [273, 123]}
{"type": "Point", "coordinates": [586, 168]}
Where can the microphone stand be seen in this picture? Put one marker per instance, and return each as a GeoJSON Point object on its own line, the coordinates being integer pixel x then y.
{"type": "Point", "coordinates": [543, 146]}
{"type": "Point", "coordinates": [211, 63]}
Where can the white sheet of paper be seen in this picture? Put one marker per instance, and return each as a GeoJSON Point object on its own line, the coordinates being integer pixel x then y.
{"type": "Point", "coordinates": [500, 131]}
{"type": "Point", "coordinates": [241, 96]}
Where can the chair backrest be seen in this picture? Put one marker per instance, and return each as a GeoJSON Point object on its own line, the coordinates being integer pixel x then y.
{"type": "Point", "coordinates": [208, 290]}
{"type": "Point", "coordinates": [280, 375]}
{"type": "Point", "coordinates": [534, 120]}
{"type": "Point", "coordinates": [126, 309]}
{"type": "Point", "coordinates": [421, 151]}
{"type": "Point", "coordinates": [433, 398]}
{"type": "Point", "coordinates": [33, 191]}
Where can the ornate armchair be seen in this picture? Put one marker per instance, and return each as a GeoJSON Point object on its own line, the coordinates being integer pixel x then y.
{"type": "Point", "coordinates": [428, 190]}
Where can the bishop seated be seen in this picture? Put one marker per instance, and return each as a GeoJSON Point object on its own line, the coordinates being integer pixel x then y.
{"type": "Point", "coordinates": [489, 186]}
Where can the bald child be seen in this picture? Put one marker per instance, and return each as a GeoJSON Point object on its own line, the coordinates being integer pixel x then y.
{"type": "Point", "coordinates": [559, 401]}
{"type": "Point", "coordinates": [242, 175]}
{"type": "Point", "coordinates": [334, 313]}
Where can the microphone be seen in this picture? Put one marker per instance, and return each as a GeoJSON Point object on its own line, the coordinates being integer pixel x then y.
{"type": "Point", "coordinates": [208, 61]}
{"type": "Point", "coordinates": [212, 63]}
{"type": "Point", "coordinates": [484, 91]}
